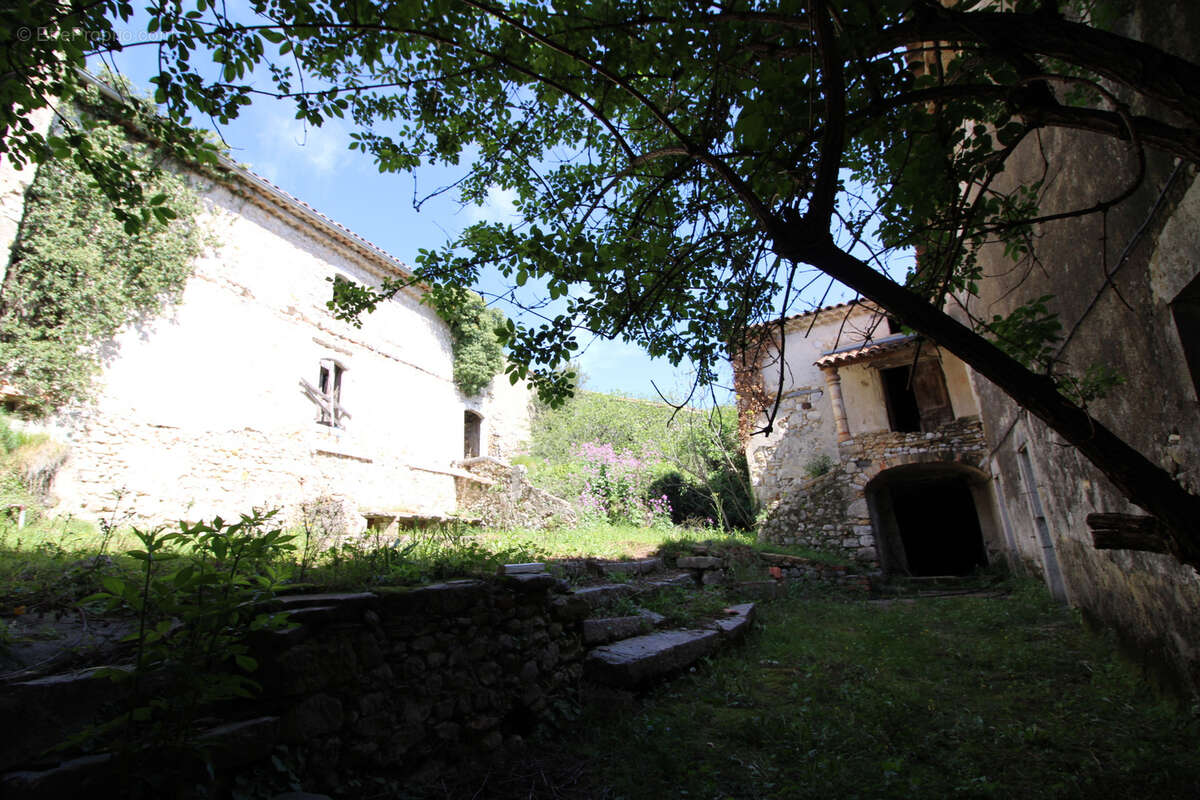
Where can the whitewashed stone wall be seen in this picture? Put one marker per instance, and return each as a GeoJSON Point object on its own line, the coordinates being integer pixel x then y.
{"type": "Point", "coordinates": [804, 430]}
{"type": "Point", "coordinates": [13, 183]}
{"type": "Point", "coordinates": [201, 411]}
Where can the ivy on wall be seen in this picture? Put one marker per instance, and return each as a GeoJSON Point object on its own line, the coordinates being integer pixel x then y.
{"type": "Point", "coordinates": [478, 352]}
{"type": "Point", "coordinates": [76, 277]}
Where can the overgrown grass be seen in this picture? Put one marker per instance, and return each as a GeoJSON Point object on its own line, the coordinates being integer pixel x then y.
{"type": "Point", "coordinates": [49, 563]}
{"type": "Point", "coordinates": [603, 540]}
{"type": "Point", "coordinates": [952, 697]}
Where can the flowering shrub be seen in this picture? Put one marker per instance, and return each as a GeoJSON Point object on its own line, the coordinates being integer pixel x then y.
{"type": "Point", "coordinates": [615, 487]}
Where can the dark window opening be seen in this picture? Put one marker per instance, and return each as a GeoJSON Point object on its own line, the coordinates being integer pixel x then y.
{"type": "Point", "coordinates": [472, 425]}
{"type": "Point", "coordinates": [894, 326]}
{"type": "Point", "coordinates": [917, 399]}
{"type": "Point", "coordinates": [1186, 310]}
{"type": "Point", "coordinates": [903, 413]}
{"type": "Point", "coordinates": [928, 525]}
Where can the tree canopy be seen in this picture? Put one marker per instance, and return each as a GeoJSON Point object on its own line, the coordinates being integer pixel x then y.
{"type": "Point", "coordinates": [684, 170]}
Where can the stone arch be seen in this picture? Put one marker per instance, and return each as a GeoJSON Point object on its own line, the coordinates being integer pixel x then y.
{"type": "Point", "coordinates": [931, 515]}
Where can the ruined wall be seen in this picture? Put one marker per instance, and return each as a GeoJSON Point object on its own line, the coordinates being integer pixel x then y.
{"type": "Point", "coordinates": [1124, 321]}
{"type": "Point", "coordinates": [503, 497]}
{"type": "Point", "coordinates": [379, 683]}
{"type": "Point", "coordinates": [507, 415]}
{"type": "Point", "coordinates": [803, 428]}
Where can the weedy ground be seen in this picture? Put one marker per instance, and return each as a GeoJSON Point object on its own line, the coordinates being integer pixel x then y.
{"type": "Point", "coordinates": [1006, 696]}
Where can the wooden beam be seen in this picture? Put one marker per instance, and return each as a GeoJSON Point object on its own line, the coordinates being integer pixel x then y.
{"type": "Point", "coordinates": [1128, 532]}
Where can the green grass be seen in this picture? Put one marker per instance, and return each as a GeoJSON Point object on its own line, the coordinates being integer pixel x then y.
{"type": "Point", "coordinates": [603, 540]}
{"type": "Point", "coordinates": [1006, 697]}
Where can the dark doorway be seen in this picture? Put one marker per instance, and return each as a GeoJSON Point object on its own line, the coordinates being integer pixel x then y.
{"type": "Point", "coordinates": [917, 399]}
{"type": "Point", "coordinates": [472, 423]}
{"type": "Point", "coordinates": [903, 413]}
{"type": "Point", "coordinates": [926, 521]}
{"type": "Point", "coordinates": [1186, 310]}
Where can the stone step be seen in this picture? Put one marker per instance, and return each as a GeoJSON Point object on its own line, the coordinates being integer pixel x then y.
{"type": "Point", "coordinates": [605, 594]}
{"type": "Point", "coordinates": [602, 630]}
{"type": "Point", "coordinates": [637, 662]}
{"type": "Point", "coordinates": [678, 580]}
{"type": "Point", "coordinates": [642, 566]}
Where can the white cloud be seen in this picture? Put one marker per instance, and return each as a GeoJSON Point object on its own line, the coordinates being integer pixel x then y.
{"type": "Point", "coordinates": [293, 145]}
{"type": "Point", "coordinates": [500, 206]}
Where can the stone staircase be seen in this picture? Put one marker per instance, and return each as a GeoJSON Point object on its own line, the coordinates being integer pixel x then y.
{"type": "Point", "coordinates": [628, 647]}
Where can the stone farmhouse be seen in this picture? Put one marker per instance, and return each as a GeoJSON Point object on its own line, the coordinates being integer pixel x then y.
{"type": "Point", "coordinates": [249, 393]}
{"type": "Point", "coordinates": [873, 428]}
{"type": "Point", "coordinates": [932, 473]}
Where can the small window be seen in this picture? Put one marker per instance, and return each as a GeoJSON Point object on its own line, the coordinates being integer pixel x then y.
{"type": "Point", "coordinates": [327, 394]}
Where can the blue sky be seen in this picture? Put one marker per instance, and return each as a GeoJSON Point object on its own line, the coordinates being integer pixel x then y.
{"type": "Point", "coordinates": [315, 165]}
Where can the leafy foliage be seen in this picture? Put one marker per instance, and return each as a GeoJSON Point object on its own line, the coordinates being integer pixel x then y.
{"type": "Point", "coordinates": [690, 457]}
{"type": "Point", "coordinates": [196, 600]}
{"type": "Point", "coordinates": [474, 329]}
{"type": "Point", "coordinates": [685, 171]}
{"type": "Point", "coordinates": [77, 275]}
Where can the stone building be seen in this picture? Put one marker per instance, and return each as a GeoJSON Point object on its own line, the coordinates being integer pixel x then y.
{"type": "Point", "coordinates": [874, 430]}
{"type": "Point", "coordinates": [249, 393]}
{"type": "Point", "coordinates": [1126, 287]}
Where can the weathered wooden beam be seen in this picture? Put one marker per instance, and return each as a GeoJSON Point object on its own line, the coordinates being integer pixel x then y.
{"type": "Point", "coordinates": [1129, 532]}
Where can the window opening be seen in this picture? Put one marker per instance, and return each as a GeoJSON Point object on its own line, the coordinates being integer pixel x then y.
{"type": "Point", "coordinates": [327, 395]}
{"type": "Point", "coordinates": [903, 413]}
{"type": "Point", "coordinates": [917, 399]}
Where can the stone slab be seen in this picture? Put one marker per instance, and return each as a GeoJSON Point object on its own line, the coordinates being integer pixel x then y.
{"type": "Point", "coordinates": [636, 662]}
{"type": "Point", "coordinates": [521, 569]}
{"type": "Point", "coordinates": [736, 625]}
{"type": "Point", "coordinates": [603, 630]}
{"type": "Point", "coordinates": [682, 579]}
{"type": "Point", "coordinates": [641, 566]}
{"type": "Point", "coordinates": [697, 562]}
{"type": "Point", "coordinates": [605, 594]}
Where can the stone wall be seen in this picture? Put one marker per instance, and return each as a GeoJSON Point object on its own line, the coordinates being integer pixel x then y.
{"type": "Point", "coordinates": [13, 184]}
{"type": "Point", "coordinates": [830, 512]}
{"type": "Point", "coordinates": [1120, 318]}
{"type": "Point", "coordinates": [504, 497]}
{"type": "Point", "coordinates": [374, 683]}
{"type": "Point", "coordinates": [202, 411]}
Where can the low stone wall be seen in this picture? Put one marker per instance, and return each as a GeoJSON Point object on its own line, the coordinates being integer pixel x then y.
{"type": "Point", "coordinates": [505, 498]}
{"type": "Point", "coordinates": [372, 683]}
{"type": "Point", "coordinates": [720, 566]}
{"type": "Point", "coordinates": [830, 512]}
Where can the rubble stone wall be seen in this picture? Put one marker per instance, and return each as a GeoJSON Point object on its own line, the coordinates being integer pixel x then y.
{"type": "Point", "coordinates": [506, 499]}
{"type": "Point", "coordinates": [830, 512]}
{"type": "Point", "coordinates": [376, 683]}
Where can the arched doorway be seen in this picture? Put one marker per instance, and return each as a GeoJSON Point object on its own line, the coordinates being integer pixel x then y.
{"type": "Point", "coordinates": [927, 518]}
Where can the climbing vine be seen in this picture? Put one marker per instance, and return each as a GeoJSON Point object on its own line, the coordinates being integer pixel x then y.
{"type": "Point", "coordinates": [478, 352]}
{"type": "Point", "coordinates": [76, 276]}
